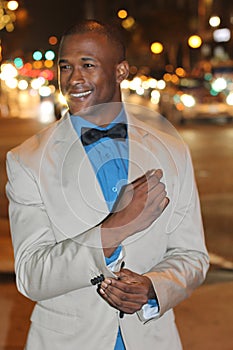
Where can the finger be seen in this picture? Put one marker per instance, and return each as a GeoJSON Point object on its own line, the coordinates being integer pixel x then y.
{"type": "Point", "coordinates": [147, 185]}
{"type": "Point", "coordinates": [157, 193]}
{"type": "Point", "coordinates": [120, 304]}
{"type": "Point", "coordinates": [153, 181]}
{"type": "Point", "coordinates": [117, 296]}
{"type": "Point", "coordinates": [124, 286]}
{"type": "Point", "coordinates": [148, 175]}
{"type": "Point", "coordinates": [155, 172]}
{"type": "Point", "coordinates": [128, 275]}
{"type": "Point", "coordinates": [164, 203]}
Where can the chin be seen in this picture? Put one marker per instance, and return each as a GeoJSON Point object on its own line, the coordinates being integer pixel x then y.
{"type": "Point", "coordinates": [78, 109]}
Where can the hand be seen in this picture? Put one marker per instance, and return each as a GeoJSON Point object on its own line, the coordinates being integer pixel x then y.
{"type": "Point", "coordinates": [138, 206]}
{"type": "Point", "coordinates": [129, 292]}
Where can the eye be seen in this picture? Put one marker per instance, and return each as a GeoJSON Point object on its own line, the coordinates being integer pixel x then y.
{"type": "Point", "coordinates": [65, 67]}
{"type": "Point", "coordinates": [88, 65]}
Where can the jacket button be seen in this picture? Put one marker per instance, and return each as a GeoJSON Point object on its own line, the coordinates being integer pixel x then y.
{"type": "Point", "coordinates": [97, 279]}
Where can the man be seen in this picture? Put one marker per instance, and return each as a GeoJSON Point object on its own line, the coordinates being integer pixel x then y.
{"type": "Point", "coordinates": [104, 213]}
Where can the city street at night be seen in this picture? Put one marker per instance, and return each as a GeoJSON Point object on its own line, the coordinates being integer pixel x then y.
{"type": "Point", "coordinates": [74, 210]}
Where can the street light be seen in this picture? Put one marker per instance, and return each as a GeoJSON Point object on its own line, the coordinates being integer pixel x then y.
{"type": "Point", "coordinates": [214, 21]}
{"type": "Point", "coordinates": [195, 41]}
{"type": "Point", "coordinates": [156, 47]}
{"type": "Point", "coordinates": [12, 5]}
{"type": "Point", "coordinates": [122, 14]}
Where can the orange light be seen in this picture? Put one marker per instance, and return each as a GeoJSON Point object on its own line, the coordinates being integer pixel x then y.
{"type": "Point", "coordinates": [53, 40]}
{"type": "Point", "coordinates": [179, 106]}
{"type": "Point", "coordinates": [37, 64]}
{"type": "Point", "coordinates": [122, 14]}
{"type": "Point", "coordinates": [180, 71]}
{"type": "Point", "coordinates": [48, 63]}
{"type": "Point", "coordinates": [167, 77]}
{"type": "Point", "coordinates": [174, 79]}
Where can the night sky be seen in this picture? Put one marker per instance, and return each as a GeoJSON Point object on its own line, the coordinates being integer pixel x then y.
{"type": "Point", "coordinates": [155, 20]}
{"type": "Point", "coordinates": [52, 17]}
{"type": "Point", "coordinates": [46, 18]}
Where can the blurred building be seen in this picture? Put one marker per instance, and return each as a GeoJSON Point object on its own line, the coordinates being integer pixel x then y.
{"type": "Point", "coordinates": [170, 22]}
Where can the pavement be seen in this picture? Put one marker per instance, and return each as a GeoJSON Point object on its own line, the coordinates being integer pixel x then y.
{"type": "Point", "coordinates": [204, 320]}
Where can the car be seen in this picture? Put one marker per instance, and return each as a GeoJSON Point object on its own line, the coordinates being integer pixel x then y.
{"type": "Point", "coordinates": [197, 98]}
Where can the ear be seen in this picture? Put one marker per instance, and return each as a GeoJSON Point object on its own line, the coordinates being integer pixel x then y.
{"type": "Point", "coordinates": [122, 71]}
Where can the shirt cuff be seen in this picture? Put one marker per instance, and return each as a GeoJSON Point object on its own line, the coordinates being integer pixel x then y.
{"type": "Point", "coordinates": [112, 261]}
{"type": "Point", "coordinates": [151, 309]}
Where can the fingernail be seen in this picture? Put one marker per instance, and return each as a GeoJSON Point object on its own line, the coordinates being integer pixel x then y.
{"type": "Point", "coordinates": [108, 281]}
{"type": "Point", "coordinates": [151, 172]}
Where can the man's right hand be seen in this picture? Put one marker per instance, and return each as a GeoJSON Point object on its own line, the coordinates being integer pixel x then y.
{"type": "Point", "coordinates": [139, 205]}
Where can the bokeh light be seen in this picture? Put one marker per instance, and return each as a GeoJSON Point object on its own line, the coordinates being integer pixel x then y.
{"type": "Point", "coordinates": [37, 55]}
{"type": "Point", "coordinates": [49, 55]}
{"type": "Point", "coordinates": [128, 23]}
{"type": "Point", "coordinates": [214, 21]}
{"type": "Point", "coordinates": [18, 62]}
{"type": "Point", "coordinates": [12, 5]}
{"type": "Point", "coordinates": [194, 41]}
{"type": "Point", "coordinates": [53, 40]}
{"type": "Point", "coordinates": [23, 84]}
{"type": "Point", "coordinates": [156, 47]}
{"type": "Point", "coordinates": [122, 14]}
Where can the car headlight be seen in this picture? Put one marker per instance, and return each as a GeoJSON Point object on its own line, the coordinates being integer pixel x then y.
{"type": "Point", "coordinates": [187, 100]}
{"type": "Point", "coordinates": [219, 84]}
{"type": "Point", "coordinates": [229, 99]}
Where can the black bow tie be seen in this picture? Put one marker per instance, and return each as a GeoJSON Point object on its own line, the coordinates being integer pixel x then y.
{"type": "Point", "coordinates": [89, 136]}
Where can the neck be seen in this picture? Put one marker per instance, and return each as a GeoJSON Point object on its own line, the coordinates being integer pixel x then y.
{"type": "Point", "coordinates": [103, 114]}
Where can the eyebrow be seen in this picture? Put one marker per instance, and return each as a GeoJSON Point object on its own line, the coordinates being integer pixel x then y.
{"type": "Point", "coordinates": [84, 59]}
{"type": "Point", "coordinates": [62, 61]}
{"type": "Point", "coordinates": [87, 59]}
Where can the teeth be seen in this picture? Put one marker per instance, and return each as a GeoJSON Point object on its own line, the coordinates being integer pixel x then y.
{"type": "Point", "coordinates": [81, 94]}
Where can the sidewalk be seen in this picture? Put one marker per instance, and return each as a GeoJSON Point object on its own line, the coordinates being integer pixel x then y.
{"type": "Point", "coordinates": [205, 319]}
{"type": "Point", "coordinates": [6, 250]}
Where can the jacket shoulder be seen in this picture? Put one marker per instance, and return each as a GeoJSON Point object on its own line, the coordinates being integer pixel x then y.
{"type": "Point", "coordinates": [35, 143]}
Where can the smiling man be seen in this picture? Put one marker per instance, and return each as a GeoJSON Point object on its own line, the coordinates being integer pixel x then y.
{"type": "Point", "coordinates": [104, 213]}
{"type": "Point", "coordinates": [90, 72]}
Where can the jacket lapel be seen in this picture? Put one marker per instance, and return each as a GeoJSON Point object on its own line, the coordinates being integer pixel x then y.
{"type": "Point", "coordinates": [141, 158]}
{"type": "Point", "coordinates": [78, 203]}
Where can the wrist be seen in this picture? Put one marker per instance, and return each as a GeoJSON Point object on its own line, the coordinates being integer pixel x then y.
{"type": "Point", "coordinates": [151, 291]}
{"type": "Point", "coordinates": [113, 231]}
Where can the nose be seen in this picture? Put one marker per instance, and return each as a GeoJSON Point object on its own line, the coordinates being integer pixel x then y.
{"type": "Point", "coordinates": [76, 77]}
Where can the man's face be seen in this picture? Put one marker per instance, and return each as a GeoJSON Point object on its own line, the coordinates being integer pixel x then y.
{"type": "Point", "coordinates": [89, 71]}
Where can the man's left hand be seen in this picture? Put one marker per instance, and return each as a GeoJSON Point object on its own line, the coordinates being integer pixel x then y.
{"type": "Point", "coordinates": [129, 292]}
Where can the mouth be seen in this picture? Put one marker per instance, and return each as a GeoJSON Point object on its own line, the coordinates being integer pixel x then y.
{"type": "Point", "coordinates": [80, 94]}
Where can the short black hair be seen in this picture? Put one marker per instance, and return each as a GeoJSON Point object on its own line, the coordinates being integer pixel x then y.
{"type": "Point", "coordinates": [111, 31]}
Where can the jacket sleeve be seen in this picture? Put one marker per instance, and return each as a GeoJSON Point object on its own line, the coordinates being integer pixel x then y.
{"type": "Point", "coordinates": [44, 267]}
{"type": "Point", "coordinates": [186, 262]}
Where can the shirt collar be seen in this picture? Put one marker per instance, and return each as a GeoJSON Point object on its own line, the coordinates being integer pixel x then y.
{"type": "Point", "coordinates": [79, 122]}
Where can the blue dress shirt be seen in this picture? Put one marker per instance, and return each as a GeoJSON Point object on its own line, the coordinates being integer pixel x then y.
{"type": "Point", "coordinates": [109, 159]}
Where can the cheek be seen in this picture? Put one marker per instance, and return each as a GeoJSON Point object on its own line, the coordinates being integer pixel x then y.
{"type": "Point", "coordinates": [63, 85]}
{"type": "Point", "coordinates": [108, 82]}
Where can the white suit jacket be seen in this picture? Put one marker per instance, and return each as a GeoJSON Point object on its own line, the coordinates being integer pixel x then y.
{"type": "Point", "coordinates": [56, 207]}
